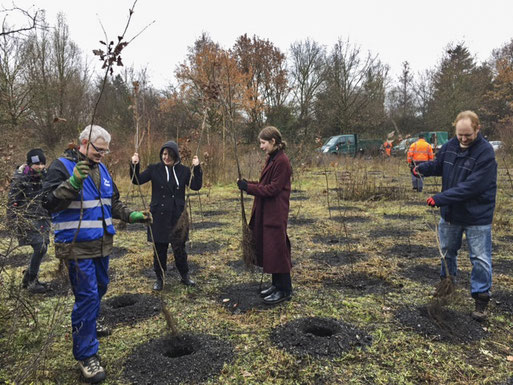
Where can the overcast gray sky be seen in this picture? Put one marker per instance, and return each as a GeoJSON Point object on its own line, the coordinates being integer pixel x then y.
{"type": "Point", "coordinates": [402, 30]}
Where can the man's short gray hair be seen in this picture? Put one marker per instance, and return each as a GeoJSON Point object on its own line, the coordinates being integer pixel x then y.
{"type": "Point", "coordinates": [96, 133]}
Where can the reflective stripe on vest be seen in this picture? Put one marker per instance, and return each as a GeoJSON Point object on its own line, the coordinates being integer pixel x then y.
{"type": "Point", "coordinates": [96, 210]}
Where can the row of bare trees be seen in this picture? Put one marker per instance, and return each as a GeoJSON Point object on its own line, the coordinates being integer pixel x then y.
{"type": "Point", "coordinates": [47, 87]}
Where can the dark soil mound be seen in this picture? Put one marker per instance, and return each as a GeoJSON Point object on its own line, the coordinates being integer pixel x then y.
{"type": "Point", "coordinates": [441, 325]}
{"type": "Point", "coordinates": [360, 282]}
{"type": "Point", "coordinates": [242, 297]}
{"type": "Point", "coordinates": [187, 358]}
{"type": "Point", "coordinates": [405, 250]}
{"type": "Point", "coordinates": [301, 221]}
{"type": "Point", "coordinates": [503, 301]}
{"type": "Point", "coordinates": [349, 219]}
{"type": "Point", "coordinates": [319, 337]}
{"type": "Point", "coordinates": [207, 225]}
{"type": "Point", "coordinates": [128, 309]}
{"type": "Point", "coordinates": [212, 213]}
{"type": "Point", "coordinates": [390, 232]}
{"type": "Point", "coordinates": [118, 252]}
{"type": "Point", "coordinates": [59, 286]}
{"type": "Point", "coordinates": [402, 217]}
{"type": "Point", "coordinates": [197, 248]}
{"type": "Point", "coordinates": [333, 240]}
{"type": "Point", "coordinates": [338, 257]}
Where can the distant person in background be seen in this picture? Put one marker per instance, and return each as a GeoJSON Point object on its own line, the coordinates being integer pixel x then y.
{"type": "Point", "coordinates": [469, 185]}
{"type": "Point", "coordinates": [27, 216]}
{"type": "Point", "coordinates": [83, 200]}
{"type": "Point", "coordinates": [387, 149]}
{"type": "Point", "coordinates": [269, 216]}
{"type": "Point", "coordinates": [419, 152]}
{"type": "Point", "coordinates": [169, 179]}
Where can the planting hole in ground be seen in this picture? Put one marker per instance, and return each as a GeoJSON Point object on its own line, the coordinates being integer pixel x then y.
{"type": "Point", "coordinates": [178, 351]}
{"type": "Point", "coordinates": [319, 331]}
{"type": "Point", "coordinates": [122, 301]}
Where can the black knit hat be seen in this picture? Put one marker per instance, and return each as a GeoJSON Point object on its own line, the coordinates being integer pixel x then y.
{"type": "Point", "coordinates": [36, 155]}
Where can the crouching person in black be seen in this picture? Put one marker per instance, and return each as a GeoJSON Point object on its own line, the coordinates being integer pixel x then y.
{"type": "Point", "coordinates": [169, 178]}
{"type": "Point", "coordinates": [27, 217]}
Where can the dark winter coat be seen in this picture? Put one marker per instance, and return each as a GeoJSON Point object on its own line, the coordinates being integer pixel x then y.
{"type": "Point", "coordinates": [26, 215]}
{"type": "Point", "coordinates": [270, 213]}
{"type": "Point", "coordinates": [167, 197]}
{"type": "Point", "coordinates": [57, 196]}
{"type": "Point", "coordinates": [469, 181]}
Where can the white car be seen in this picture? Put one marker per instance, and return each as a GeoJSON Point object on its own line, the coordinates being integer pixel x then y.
{"type": "Point", "coordinates": [496, 144]}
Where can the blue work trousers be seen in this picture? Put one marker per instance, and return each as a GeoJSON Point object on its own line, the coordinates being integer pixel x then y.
{"type": "Point", "coordinates": [479, 240]}
{"type": "Point", "coordinates": [89, 281]}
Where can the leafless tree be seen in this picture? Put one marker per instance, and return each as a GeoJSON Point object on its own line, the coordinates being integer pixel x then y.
{"type": "Point", "coordinates": [307, 63]}
{"type": "Point", "coordinates": [32, 19]}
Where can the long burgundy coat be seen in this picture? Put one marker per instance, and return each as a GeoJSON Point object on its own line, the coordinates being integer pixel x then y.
{"type": "Point", "coordinates": [270, 214]}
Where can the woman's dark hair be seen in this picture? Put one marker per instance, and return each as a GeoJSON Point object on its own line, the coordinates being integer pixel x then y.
{"type": "Point", "coordinates": [268, 133]}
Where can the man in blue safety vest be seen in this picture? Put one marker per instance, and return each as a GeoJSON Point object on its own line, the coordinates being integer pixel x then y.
{"type": "Point", "coordinates": [83, 199]}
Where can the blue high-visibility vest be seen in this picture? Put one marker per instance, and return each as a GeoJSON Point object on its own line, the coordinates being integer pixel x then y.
{"type": "Point", "coordinates": [97, 210]}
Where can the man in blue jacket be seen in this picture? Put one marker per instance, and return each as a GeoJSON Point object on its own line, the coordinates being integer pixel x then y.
{"type": "Point", "coordinates": [469, 184]}
{"type": "Point", "coordinates": [83, 199]}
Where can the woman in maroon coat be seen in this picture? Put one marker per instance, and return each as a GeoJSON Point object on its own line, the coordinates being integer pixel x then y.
{"type": "Point", "coordinates": [270, 215]}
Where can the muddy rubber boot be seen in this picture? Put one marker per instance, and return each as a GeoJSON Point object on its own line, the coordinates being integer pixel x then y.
{"type": "Point", "coordinates": [34, 286]}
{"type": "Point", "coordinates": [91, 370]}
{"type": "Point", "coordinates": [480, 313]}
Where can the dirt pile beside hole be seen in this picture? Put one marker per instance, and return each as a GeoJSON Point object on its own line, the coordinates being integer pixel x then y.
{"type": "Point", "coordinates": [446, 325]}
{"type": "Point", "coordinates": [187, 358]}
{"type": "Point", "coordinates": [128, 309]}
{"type": "Point", "coordinates": [319, 337]}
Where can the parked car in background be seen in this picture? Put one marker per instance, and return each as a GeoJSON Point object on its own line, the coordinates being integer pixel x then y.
{"type": "Point", "coordinates": [403, 146]}
{"type": "Point", "coordinates": [435, 138]}
{"type": "Point", "coordinates": [350, 144]}
{"type": "Point", "coordinates": [496, 144]}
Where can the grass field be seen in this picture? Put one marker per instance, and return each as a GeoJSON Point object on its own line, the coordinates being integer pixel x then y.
{"type": "Point", "coordinates": [364, 271]}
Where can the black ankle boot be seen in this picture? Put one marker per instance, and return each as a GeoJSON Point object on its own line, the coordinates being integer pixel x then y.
{"type": "Point", "coordinates": [271, 289]}
{"type": "Point", "coordinates": [187, 281]}
{"type": "Point", "coordinates": [158, 285]}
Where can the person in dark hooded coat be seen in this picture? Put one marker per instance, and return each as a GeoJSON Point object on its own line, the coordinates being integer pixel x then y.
{"type": "Point", "coordinates": [27, 217]}
{"type": "Point", "coordinates": [169, 179]}
{"type": "Point", "coordinates": [269, 216]}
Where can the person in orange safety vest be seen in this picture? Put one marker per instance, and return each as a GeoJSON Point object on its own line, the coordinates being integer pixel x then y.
{"type": "Point", "coordinates": [419, 152]}
{"type": "Point", "coordinates": [387, 148]}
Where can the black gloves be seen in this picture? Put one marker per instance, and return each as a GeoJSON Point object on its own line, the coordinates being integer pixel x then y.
{"type": "Point", "coordinates": [243, 184]}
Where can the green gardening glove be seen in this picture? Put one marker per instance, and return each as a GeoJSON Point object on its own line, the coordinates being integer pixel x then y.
{"type": "Point", "coordinates": [141, 217]}
{"type": "Point", "coordinates": [80, 173]}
